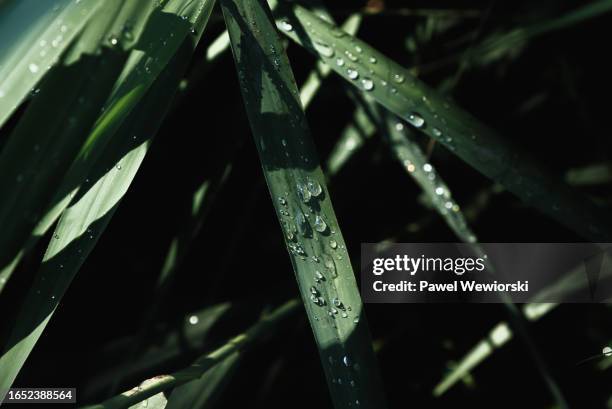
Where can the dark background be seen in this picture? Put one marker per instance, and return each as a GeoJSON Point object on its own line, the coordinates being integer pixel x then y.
{"type": "Point", "coordinates": [552, 98]}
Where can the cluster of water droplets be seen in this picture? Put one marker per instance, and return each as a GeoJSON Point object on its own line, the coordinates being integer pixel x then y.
{"type": "Point", "coordinates": [302, 226]}
{"type": "Point", "coordinates": [344, 372]}
{"type": "Point", "coordinates": [354, 61]}
{"type": "Point", "coordinates": [415, 162]}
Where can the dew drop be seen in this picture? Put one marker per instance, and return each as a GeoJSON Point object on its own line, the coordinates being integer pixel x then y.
{"type": "Point", "coordinates": [113, 40]}
{"type": "Point", "coordinates": [372, 60]}
{"type": "Point", "coordinates": [314, 187]}
{"type": "Point", "coordinates": [351, 56]}
{"type": "Point", "coordinates": [416, 120]}
{"type": "Point", "coordinates": [304, 193]}
{"type": "Point", "coordinates": [427, 167]}
{"type": "Point", "coordinates": [286, 26]}
{"type": "Point", "coordinates": [436, 132]}
{"type": "Point", "coordinates": [302, 224]}
{"type": "Point", "coordinates": [324, 49]}
{"type": "Point", "coordinates": [33, 68]}
{"type": "Point", "coordinates": [193, 320]}
{"type": "Point", "coordinates": [319, 276]}
{"type": "Point", "coordinates": [399, 78]}
{"type": "Point", "coordinates": [399, 126]}
{"type": "Point", "coordinates": [333, 244]}
{"type": "Point", "coordinates": [330, 265]}
{"type": "Point", "coordinates": [320, 224]}
{"type": "Point", "coordinates": [339, 62]}
{"type": "Point", "coordinates": [607, 351]}
{"type": "Point", "coordinates": [352, 74]}
{"type": "Point", "coordinates": [439, 191]}
{"type": "Point", "coordinates": [346, 361]}
{"type": "Point", "coordinates": [367, 84]}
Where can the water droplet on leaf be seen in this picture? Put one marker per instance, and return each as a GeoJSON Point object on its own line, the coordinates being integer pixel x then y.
{"type": "Point", "coordinates": [416, 120]}
{"type": "Point", "coordinates": [320, 224]}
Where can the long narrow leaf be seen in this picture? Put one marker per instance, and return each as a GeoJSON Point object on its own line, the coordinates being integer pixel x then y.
{"type": "Point", "coordinates": [395, 88]}
{"type": "Point", "coordinates": [302, 202]}
{"type": "Point", "coordinates": [46, 141]}
{"type": "Point", "coordinates": [203, 364]}
{"type": "Point", "coordinates": [23, 61]}
{"type": "Point", "coordinates": [92, 207]}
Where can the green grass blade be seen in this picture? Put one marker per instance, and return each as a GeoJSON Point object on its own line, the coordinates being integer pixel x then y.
{"type": "Point", "coordinates": [404, 146]}
{"type": "Point", "coordinates": [75, 236]}
{"type": "Point", "coordinates": [92, 207]}
{"type": "Point", "coordinates": [202, 393]}
{"type": "Point", "coordinates": [75, 96]}
{"type": "Point", "coordinates": [157, 401]}
{"type": "Point", "coordinates": [313, 82]}
{"type": "Point", "coordinates": [164, 382]}
{"type": "Point", "coordinates": [41, 148]}
{"type": "Point", "coordinates": [352, 138]}
{"type": "Point", "coordinates": [154, 48]}
{"type": "Point", "coordinates": [301, 200]}
{"type": "Point", "coordinates": [395, 88]}
{"type": "Point", "coordinates": [502, 44]}
{"type": "Point", "coordinates": [409, 153]}
{"type": "Point", "coordinates": [157, 351]}
{"type": "Point", "coordinates": [51, 26]}
{"type": "Point", "coordinates": [499, 336]}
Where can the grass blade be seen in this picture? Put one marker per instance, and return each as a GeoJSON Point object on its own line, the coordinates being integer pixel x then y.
{"type": "Point", "coordinates": [202, 393]}
{"type": "Point", "coordinates": [157, 352]}
{"type": "Point", "coordinates": [41, 148]}
{"type": "Point", "coordinates": [202, 365]}
{"type": "Point", "coordinates": [301, 199]}
{"type": "Point", "coordinates": [24, 61]}
{"type": "Point", "coordinates": [405, 148]}
{"type": "Point", "coordinates": [500, 335]}
{"type": "Point", "coordinates": [314, 80]}
{"type": "Point", "coordinates": [92, 207]}
{"type": "Point", "coordinates": [352, 138]}
{"type": "Point", "coordinates": [395, 88]}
